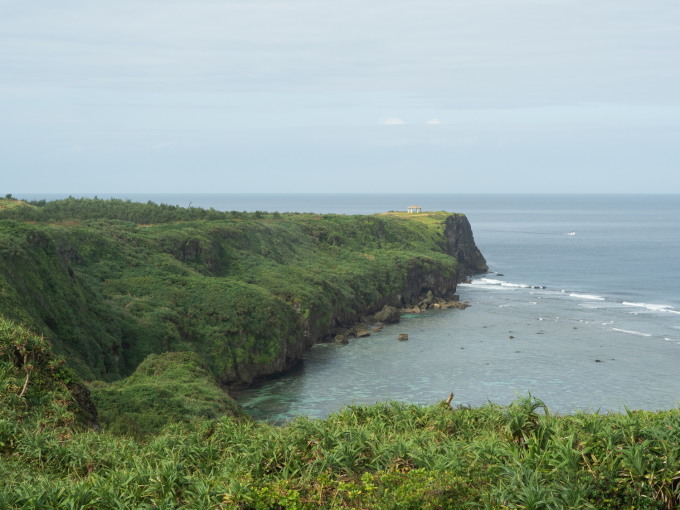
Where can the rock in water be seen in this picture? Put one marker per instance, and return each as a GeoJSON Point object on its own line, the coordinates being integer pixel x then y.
{"type": "Point", "coordinates": [388, 314]}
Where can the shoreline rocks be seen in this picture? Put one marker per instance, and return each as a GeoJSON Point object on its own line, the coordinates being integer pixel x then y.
{"type": "Point", "coordinates": [388, 315]}
{"type": "Point", "coordinates": [361, 333]}
{"type": "Point", "coordinates": [392, 315]}
{"type": "Point", "coordinates": [430, 302]}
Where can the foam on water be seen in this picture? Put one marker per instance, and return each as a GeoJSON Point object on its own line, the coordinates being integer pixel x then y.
{"type": "Point", "coordinates": [591, 301]}
{"type": "Point", "coordinates": [587, 296]}
{"type": "Point", "coordinates": [631, 332]}
{"type": "Point", "coordinates": [495, 283]}
{"type": "Point", "coordinates": [650, 306]}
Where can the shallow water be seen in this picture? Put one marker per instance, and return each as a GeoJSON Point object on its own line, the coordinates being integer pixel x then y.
{"type": "Point", "coordinates": [508, 343]}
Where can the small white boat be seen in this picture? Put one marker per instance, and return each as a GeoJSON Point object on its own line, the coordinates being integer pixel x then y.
{"type": "Point", "coordinates": [571, 233]}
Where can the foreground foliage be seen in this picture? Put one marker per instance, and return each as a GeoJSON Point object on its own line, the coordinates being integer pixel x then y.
{"type": "Point", "coordinates": [388, 455]}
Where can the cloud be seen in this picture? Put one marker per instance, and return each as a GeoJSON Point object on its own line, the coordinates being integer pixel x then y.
{"type": "Point", "coordinates": [394, 121]}
{"type": "Point", "coordinates": [127, 75]}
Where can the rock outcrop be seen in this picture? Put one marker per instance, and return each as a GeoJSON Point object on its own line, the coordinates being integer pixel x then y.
{"type": "Point", "coordinates": [424, 287]}
{"type": "Point", "coordinates": [389, 315]}
{"type": "Point", "coordinates": [460, 243]}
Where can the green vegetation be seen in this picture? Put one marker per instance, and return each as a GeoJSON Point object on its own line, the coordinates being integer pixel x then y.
{"type": "Point", "coordinates": [9, 202]}
{"type": "Point", "coordinates": [110, 284]}
{"type": "Point", "coordinates": [160, 307]}
{"type": "Point", "coordinates": [388, 455]}
{"type": "Point", "coordinates": [172, 387]}
{"type": "Point", "coordinates": [246, 292]}
{"type": "Point", "coordinates": [37, 388]}
{"type": "Point", "coordinates": [384, 456]}
{"type": "Point", "coordinates": [114, 209]}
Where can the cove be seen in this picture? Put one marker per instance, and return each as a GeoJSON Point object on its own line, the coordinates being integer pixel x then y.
{"type": "Point", "coordinates": [508, 343]}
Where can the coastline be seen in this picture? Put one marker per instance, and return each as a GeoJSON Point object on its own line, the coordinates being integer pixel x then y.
{"type": "Point", "coordinates": [113, 282]}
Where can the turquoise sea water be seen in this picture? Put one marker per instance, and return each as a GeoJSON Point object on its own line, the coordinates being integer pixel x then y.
{"type": "Point", "coordinates": [585, 313]}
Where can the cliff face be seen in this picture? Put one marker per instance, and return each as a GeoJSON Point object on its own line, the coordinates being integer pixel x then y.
{"type": "Point", "coordinates": [248, 295]}
{"type": "Point", "coordinates": [420, 278]}
{"type": "Point", "coordinates": [460, 243]}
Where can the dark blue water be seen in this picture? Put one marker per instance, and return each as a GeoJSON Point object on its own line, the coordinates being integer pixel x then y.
{"type": "Point", "coordinates": [585, 313]}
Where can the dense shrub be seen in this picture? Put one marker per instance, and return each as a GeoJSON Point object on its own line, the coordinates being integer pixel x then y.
{"type": "Point", "coordinates": [389, 455]}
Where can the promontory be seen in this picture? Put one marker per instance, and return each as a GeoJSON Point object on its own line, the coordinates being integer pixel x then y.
{"type": "Point", "coordinates": [110, 283]}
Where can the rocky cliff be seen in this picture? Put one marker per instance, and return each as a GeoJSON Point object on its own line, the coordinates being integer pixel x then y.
{"type": "Point", "coordinates": [247, 293]}
{"type": "Point", "coordinates": [419, 281]}
{"type": "Point", "coordinates": [460, 243]}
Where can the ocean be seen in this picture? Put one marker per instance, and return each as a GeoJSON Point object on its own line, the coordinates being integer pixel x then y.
{"type": "Point", "coordinates": [581, 309]}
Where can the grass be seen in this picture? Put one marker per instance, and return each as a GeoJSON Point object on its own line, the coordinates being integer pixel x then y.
{"type": "Point", "coordinates": [389, 455]}
{"type": "Point", "coordinates": [10, 203]}
{"type": "Point", "coordinates": [427, 217]}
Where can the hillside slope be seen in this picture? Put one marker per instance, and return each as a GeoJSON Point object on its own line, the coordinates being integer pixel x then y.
{"type": "Point", "coordinates": [246, 292]}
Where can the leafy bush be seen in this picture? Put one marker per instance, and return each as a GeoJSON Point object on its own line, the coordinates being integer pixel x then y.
{"type": "Point", "coordinates": [389, 455]}
{"type": "Point", "coordinates": [37, 389]}
{"type": "Point", "coordinates": [172, 387]}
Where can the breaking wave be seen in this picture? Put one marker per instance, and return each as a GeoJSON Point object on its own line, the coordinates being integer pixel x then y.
{"type": "Point", "coordinates": [631, 332]}
{"type": "Point", "coordinates": [587, 296]}
{"type": "Point", "coordinates": [652, 307]}
{"type": "Point", "coordinates": [492, 282]}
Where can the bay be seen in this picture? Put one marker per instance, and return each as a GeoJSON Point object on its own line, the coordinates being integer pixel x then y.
{"type": "Point", "coordinates": [582, 309]}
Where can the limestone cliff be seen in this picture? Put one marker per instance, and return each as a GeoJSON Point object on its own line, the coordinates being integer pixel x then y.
{"type": "Point", "coordinates": [460, 243]}
{"type": "Point", "coordinates": [247, 293]}
{"type": "Point", "coordinates": [420, 278]}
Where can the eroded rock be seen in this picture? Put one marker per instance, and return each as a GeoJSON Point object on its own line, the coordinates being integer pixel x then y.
{"type": "Point", "coordinates": [388, 315]}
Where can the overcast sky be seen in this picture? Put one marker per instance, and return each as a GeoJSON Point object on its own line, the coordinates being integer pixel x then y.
{"type": "Point", "coordinates": [339, 96]}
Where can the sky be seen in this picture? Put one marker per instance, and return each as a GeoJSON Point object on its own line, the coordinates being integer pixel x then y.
{"type": "Point", "coordinates": [427, 96]}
